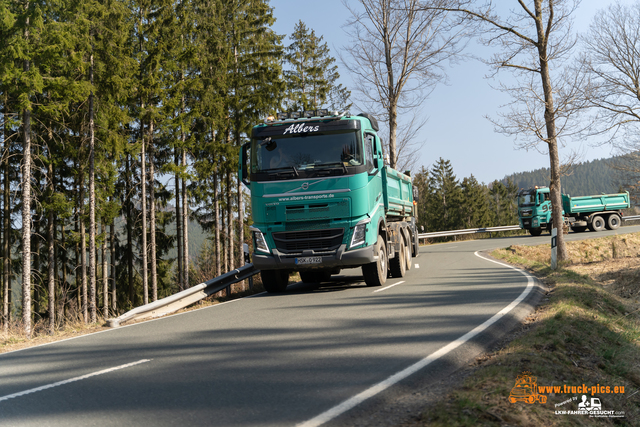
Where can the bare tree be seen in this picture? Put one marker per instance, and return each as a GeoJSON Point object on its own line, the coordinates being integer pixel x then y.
{"type": "Point", "coordinates": [534, 40]}
{"type": "Point", "coordinates": [611, 59]}
{"type": "Point", "coordinates": [396, 54]}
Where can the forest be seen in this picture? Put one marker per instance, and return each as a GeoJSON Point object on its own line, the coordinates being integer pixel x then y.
{"type": "Point", "coordinates": [447, 203]}
{"type": "Point", "coordinates": [120, 124]}
{"type": "Point", "coordinates": [582, 179]}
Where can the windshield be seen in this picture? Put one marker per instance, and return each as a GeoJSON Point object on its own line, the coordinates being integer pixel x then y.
{"type": "Point", "coordinates": [527, 199]}
{"type": "Point", "coordinates": [305, 152]}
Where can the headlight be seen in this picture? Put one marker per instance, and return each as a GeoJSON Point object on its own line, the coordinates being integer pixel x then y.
{"type": "Point", "coordinates": [359, 233]}
{"type": "Point", "coordinates": [261, 243]}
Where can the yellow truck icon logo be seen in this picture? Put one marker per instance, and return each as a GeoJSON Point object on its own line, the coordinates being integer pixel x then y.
{"type": "Point", "coordinates": [526, 390]}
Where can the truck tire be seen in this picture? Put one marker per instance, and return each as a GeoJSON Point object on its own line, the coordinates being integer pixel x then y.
{"type": "Point", "coordinates": [416, 244]}
{"type": "Point", "coordinates": [375, 273]}
{"type": "Point", "coordinates": [313, 276]}
{"type": "Point", "coordinates": [535, 231]}
{"type": "Point", "coordinates": [613, 222]}
{"type": "Point", "coordinates": [274, 281]}
{"type": "Point", "coordinates": [597, 223]}
{"type": "Point", "coordinates": [398, 264]}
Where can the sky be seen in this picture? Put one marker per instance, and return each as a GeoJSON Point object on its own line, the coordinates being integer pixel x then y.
{"type": "Point", "coordinates": [457, 128]}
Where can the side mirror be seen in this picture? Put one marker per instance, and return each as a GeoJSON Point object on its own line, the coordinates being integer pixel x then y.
{"type": "Point", "coordinates": [243, 173]}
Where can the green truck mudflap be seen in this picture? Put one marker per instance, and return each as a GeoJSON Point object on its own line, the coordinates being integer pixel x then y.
{"type": "Point", "coordinates": [340, 259]}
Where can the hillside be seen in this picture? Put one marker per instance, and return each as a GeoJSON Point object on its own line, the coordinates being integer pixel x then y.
{"type": "Point", "coordinates": [593, 177]}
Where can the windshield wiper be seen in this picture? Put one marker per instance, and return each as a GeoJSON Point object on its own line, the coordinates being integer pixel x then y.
{"type": "Point", "coordinates": [286, 173]}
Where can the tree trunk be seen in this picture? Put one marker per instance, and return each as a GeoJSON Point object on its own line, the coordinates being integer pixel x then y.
{"type": "Point", "coordinates": [112, 260]}
{"type": "Point", "coordinates": [216, 214]}
{"type": "Point", "coordinates": [549, 117]}
{"type": "Point", "coordinates": [26, 219]}
{"type": "Point", "coordinates": [83, 254]}
{"type": "Point", "coordinates": [92, 208]}
{"type": "Point", "coordinates": [143, 181]}
{"type": "Point", "coordinates": [6, 254]}
{"type": "Point", "coordinates": [185, 223]}
{"type": "Point", "coordinates": [51, 260]}
{"type": "Point", "coordinates": [152, 216]}
{"type": "Point", "coordinates": [179, 224]}
{"type": "Point", "coordinates": [230, 231]}
{"type": "Point", "coordinates": [129, 232]}
{"type": "Point", "coordinates": [105, 275]}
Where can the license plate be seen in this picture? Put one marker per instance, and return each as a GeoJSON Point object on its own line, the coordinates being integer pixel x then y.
{"type": "Point", "coordinates": [309, 260]}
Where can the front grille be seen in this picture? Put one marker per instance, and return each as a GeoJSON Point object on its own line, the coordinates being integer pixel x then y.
{"type": "Point", "coordinates": [316, 240]}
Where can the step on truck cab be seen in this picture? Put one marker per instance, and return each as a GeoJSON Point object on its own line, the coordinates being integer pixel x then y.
{"type": "Point", "coordinates": [593, 212]}
{"type": "Point", "coordinates": [322, 200]}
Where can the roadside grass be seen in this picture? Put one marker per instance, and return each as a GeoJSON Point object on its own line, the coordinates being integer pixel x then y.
{"type": "Point", "coordinates": [586, 331]}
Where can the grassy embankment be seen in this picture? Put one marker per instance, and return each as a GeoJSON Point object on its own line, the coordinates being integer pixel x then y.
{"type": "Point", "coordinates": [586, 331]}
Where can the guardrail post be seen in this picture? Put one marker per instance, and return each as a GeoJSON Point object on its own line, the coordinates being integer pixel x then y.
{"type": "Point", "coordinates": [554, 248]}
{"type": "Point", "coordinates": [247, 260]}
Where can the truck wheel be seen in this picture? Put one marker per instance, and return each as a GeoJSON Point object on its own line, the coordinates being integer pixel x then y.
{"type": "Point", "coordinates": [274, 281]}
{"type": "Point", "coordinates": [613, 222]}
{"type": "Point", "coordinates": [535, 231]}
{"type": "Point", "coordinates": [416, 244]}
{"type": "Point", "coordinates": [375, 273]}
{"type": "Point", "coordinates": [597, 223]}
{"type": "Point", "coordinates": [398, 264]}
{"type": "Point", "coordinates": [315, 276]}
{"type": "Point", "coordinates": [542, 398]}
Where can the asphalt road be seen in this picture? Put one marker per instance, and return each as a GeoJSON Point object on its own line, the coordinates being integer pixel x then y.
{"type": "Point", "coordinates": [276, 360]}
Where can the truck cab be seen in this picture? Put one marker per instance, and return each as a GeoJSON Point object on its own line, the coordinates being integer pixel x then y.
{"type": "Point", "coordinates": [323, 200]}
{"type": "Point", "coordinates": [534, 209]}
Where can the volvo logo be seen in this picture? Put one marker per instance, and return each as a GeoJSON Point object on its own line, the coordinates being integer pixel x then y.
{"type": "Point", "coordinates": [305, 186]}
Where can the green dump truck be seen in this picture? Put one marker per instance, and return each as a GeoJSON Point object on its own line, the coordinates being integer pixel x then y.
{"type": "Point", "coordinates": [593, 212]}
{"type": "Point", "coordinates": [323, 200]}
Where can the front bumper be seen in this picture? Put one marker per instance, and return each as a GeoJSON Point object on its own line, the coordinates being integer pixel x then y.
{"type": "Point", "coordinates": [342, 259]}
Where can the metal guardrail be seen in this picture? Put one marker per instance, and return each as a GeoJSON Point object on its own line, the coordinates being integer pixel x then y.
{"type": "Point", "coordinates": [491, 229]}
{"type": "Point", "coordinates": [184, 298]}
{"type": "Point", "coordinates": [468, 231]}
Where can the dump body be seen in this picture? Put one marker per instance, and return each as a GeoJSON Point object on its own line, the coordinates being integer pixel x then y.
{"type": "Point", "coordinates": [580, 213]}
{"type": "Point", "coordinates": [321, 197]}
{"type": "Point", "coordinates": [590, 204]}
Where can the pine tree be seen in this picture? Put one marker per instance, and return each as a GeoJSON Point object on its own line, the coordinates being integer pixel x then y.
{"type": "Point", "coordinates": [312, 74]}
{"type": "Point", "coordinates": [475, 208]}
{"type": "Point", "coordinates": [444, 198]}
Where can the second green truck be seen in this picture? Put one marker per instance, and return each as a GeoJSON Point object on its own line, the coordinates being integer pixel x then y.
{"type": "Point", "coordinates": [581, 213]}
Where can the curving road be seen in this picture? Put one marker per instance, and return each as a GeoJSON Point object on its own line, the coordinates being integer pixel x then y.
{"type": "Point", "coordinates": [302, 358]}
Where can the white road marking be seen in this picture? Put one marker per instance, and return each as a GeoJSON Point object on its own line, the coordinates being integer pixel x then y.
{"type": "Point", "coordinates": [417, 265]}
{"type": "Point", "coordinates": [83, 377]}
{"type": "Point", "coordinates": [399, 376]}
{"type": "Point", "coordinates": [390, 286]}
